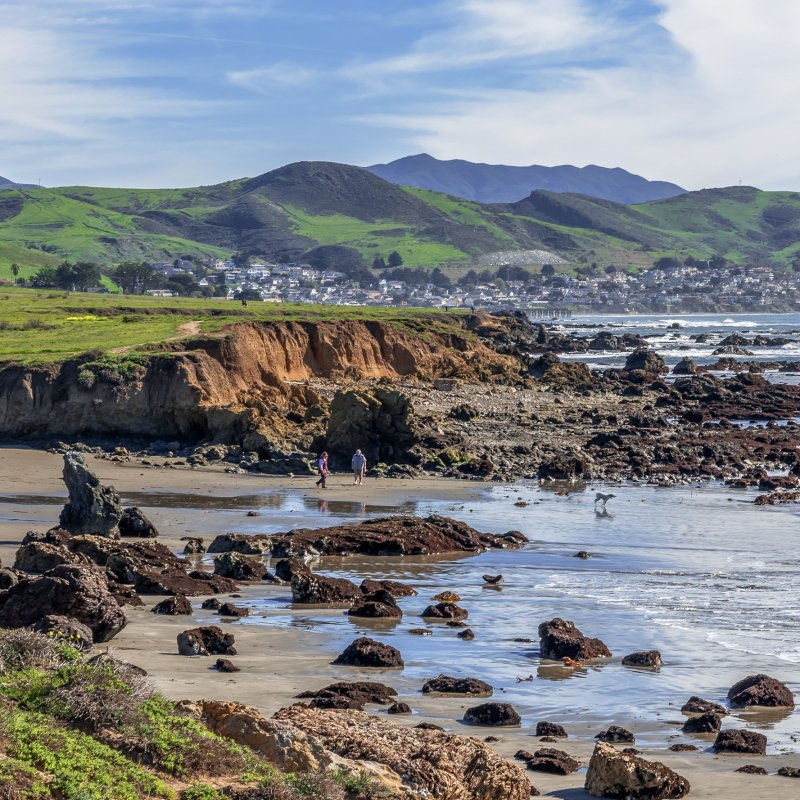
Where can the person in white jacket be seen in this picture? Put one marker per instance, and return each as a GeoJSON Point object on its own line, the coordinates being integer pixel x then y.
{"type": "Point", "coordinates": [359, 464]}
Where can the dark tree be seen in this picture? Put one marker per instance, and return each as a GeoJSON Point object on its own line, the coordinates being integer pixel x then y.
{"type": "Point", "coordinates": [44, 278]}
{"type": "Point", "coordinates": [378, 262]}
{"type": "Point", "coordinates": [548, 270]}
{"type": "Point", "coordinates": [395, 259]}
{"type": "Point", "coordinates": [134, 278]}
{"type": "Point", "coordinates": [665, 263]}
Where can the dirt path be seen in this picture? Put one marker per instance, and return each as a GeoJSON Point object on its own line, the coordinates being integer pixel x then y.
{"type": "Point", "coordinates": [185, 330]}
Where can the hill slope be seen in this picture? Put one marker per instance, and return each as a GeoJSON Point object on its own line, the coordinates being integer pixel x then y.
{"type": "Point", "coordinates": [498, 183]}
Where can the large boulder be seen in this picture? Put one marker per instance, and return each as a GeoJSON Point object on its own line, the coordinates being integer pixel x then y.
{"type": "Point", "coordinates": [395, 588]}
{"type": "Point", "coordinates": [238, 567]}
{"type": "Point", "coordinates": [703, 723]}
{"type": "Point", "coordinates": [445, 611]}
{"type": "Point", "coordinates": [79, 593]}
{"type": "Point", "coordinates": [697, 705]}
{"type": "Point", "coordinates": [378, 605]}
{"type": "Point", "coordinates": [739, 740]}
{"type": "Point", "coordinates": [206, 640]}
{"type": "Point", "coordinates": [178, 605]}
{"type": "Point", "coordinates": [309, 588]}
{"type": "Point", "coordinates": [134, 523]}
{"type": "Point", "coordinates": [643, 659]}
{"type": "Point", "coordinates": [467, 687]}
{"type": "Point", "coordinates": [40, 557]}
{"type": "Point", "coordinates": [378, 421]}
{"type": "Point", "coordinates": [647, 361]}
{"type": "Point", "coordinates": [559, 639]}
{"type": "Point", "coordinates": [350, 694]}
{"type": "Point", "coordinates": [254, 545]}
{"type": "Point", "coordinates": [366, 652]}
{"type": "Point", "coordinates": [622, 775]}
{"type": "Point", "coordinates": [92, 508]}
{"type": "Point", "coordinates": [499, 715]}
{"type": "Point", "coordinates": [556, 762]}
{"type": "Point", "coordinates": [760, 690]}
{"type": "Point", "coordinates": [686, 366]}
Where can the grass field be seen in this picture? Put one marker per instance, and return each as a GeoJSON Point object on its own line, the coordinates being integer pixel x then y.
{"type": "Point", "coordinates": [44, 327]}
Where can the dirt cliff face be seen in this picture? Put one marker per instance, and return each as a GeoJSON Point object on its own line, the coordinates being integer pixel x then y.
{"type": "Point", "coordinates": [219, 387]}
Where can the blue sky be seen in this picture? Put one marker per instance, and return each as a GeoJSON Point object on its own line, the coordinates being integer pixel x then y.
{"type": "Point", "coordinates": [182, 93]}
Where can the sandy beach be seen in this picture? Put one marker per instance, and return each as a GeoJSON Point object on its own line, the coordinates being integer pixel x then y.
{"type": "Point", "coordinates": [278, 662]}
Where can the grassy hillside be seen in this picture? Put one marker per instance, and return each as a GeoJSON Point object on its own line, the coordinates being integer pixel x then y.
{"type": "Point", "coordinates": [287, 212]}
{"type": "Point", "coordinates": [43, 327]}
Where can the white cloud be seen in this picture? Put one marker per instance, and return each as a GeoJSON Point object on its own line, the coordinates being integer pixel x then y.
{"type": "Point", "coordinates": [264, 80]}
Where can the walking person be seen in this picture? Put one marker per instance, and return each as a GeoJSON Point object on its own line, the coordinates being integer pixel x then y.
{"type": "Point", "coordinates": [359, 464]}
{"type": "Point", "coordinates": [322, 470]}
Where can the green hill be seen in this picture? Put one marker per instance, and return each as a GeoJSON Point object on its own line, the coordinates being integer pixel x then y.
{"type": "Point", "coordinates": [287, 212]}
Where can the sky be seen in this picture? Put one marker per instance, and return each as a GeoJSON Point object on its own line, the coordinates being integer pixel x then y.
{"type": "Point", "coordinates": [156, 93]}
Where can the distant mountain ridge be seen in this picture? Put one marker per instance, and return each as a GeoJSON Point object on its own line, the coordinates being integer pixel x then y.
{"type": "Point", "coordinates": [498, 183]}
{"type": "Point", "coordinates": [5, 183]}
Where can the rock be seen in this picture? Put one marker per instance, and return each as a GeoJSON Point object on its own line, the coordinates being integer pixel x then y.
{"type": "Point", "coordinates": [420, 632]}
{"type": "Point", "coordinates": [789, 772]}
{"type": "Point", "coordinates": [396, 589]}
{"type": "Point", "coordinates": [683, 748]}
{"type": "Point", "coordinates": [696, 705]}
{"type": "Point", "coordinates": [399, 708]}
{"type": "Point", "coordinates": [760, 690]}
{"type": "Point", "coordinates": [353, 694]}
{"type": "Point", "coordinates": [377, 605]}
{"type": "Point", "coordinates": [174, 580]}
{"type": "Point", "coordinates": [557, 762]}
{"type": "Point", "coordinates": [309, 588]}
{"type": "Point", "coordinates": [79, 593]}
{"type": "Point", "coordinates": [175, 605]}
{"type": "Point", "coordinates": [211, 604]}
{"type": "Point", "coordinates": [238, 567]}
{"type": "Point", "coordinates": [231, 610]}
{"type": "Point", "coordinates": [429, 726]}
{"type": "Point", "coordinates": [645, 361]}
{"type": "Point", "coordinates": [391, 536]}
{"type": "Point", "coordinates": [499, 715]}
{"type": "Point", "coordinates": [124, 595]}
{"type": "Point", "coordinates": [545, 728]}
{"type": "Point", "coordinates": [584, 554]}
{"type": "Point", "coordinates": [8, 578]}
{"type": "Point", "coordinates": [467, 634]}
{"type": "Point", "coordinates": [133, 522]}
{"type": "Point", "coordinates": [92, 508]}
{"type": "Point", "coordinates": [66, 630]}
{"type": "Point", "coordinates": [206, 640]}
{"type": "Point", "coordinates": [256, 545]}
{"type": "Point", "coordinates": [39, 557]}
{"type": "Point", "coordinates": [686, 366]}
{"type": "Point", "coordinates": [705, 723]}
{"type": "Point", "coordinates": [226, 665]}
{"type": "Point", "coordinates": [615, 733]}
{"type": "Point", "coordinates": [365, 652]}
{"type": "Point", "coordinates": [565, 466]}
{"type": "Point", "coordinates": [643, 659]}
{"type": "Point", "coordinates": [752, 769]}
{"type": "Point", "coordinates": [194, 545]}
{"type": "Point", "coordinates": [738, 740]}
{"type": "Point", "coordinates": [559, 639]}
{"type": "Point", "coordinates": [445, 611]}
{"type": "Point", "coordinates": [467, 687]}
{"type": "Point", "coordinates": [619, 775]}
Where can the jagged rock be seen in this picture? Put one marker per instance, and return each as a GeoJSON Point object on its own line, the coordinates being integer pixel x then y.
{"type": "Point", "coordinates": [365, 652]}
{"type": "Point", "coordinates": [399, 708]}
{"type": "Point", "coordinates": [79, 593]}
{"type": "Point", "coordinates": [445, 611]}
{"type": "Point", "coordinates": [92, 508]}
{"type": "Point", "coordinates": [696, 705]}
{"type": "Point", "coordinates": [176, 605]}
{"type": "Point", "coordinates": [124, 595]}
{"type": "Point", "coordinates": [66, 630]}
{"type": "Point", "coordinates": [238, 567]}
{"type": "Point", "coordinates": [468, 687]}
{"type": "Point", "coordinates": [565, 466]}
{"type": "Point", "coordinates": [645, 361]}
{"type": "Point", "coordinates": [309, 588]}
{"type": "Point", "coordinates": [245, 544]}
{"type": "Point", "coordinates": [560, 639]}
{"type": "Point", "coordinates": [705, 723]}
{"type": "Point", "coordinates": [391, 536]}
{"type": "Point", "coordinates": [377, 605]}
{"type": "Point", "coordinates": [206, 640]}
{"type": "Point", "coordinates": [467, 635]}
{"type": "Point", "coordinates": [545, 728]}
{"type": "Point", "coordinates": [211, 604]}
{"type": "Point", "coordinates": [615, 733]}
{"type": "Point", "coordinates": [752, 769]}
{"type": "Point", "coordinates": [231, 610]}
{"type": "Point", "coordinates": [620, 775]}
{"type": "Point", "coordinates": [9, 578]}
{"type": "Point", "coordinates": [683, 748]}
{"type": "Point", "coordinates": [194, 545]}
{"type": "Point", "coordinates": [39, 557]}
{"type": "Point", "coordinates": [686, 366]}
{"type": "Point", "coordinates": [789, 772]}
{"type": "Point", "coordinates": [350, 694]}
{"type": "Point", "coordinates": [226, 665]}
{"type": "Point", "coordinates": [557, 762]}
{"type": "Point", "coordinates": [494, 714]}
{"type": "Point", "coordinates": [396, 589]}
{"type": "Point", "coordinates": [738, 740]}
{"type": "Point", "coordinates": [174, 580]}
{"type": "Point", "coordinates": [134, 523]}
{"type": "Point", "coordinates": [760, 690]}
{"type": "Point", "coordinates": [643, 659]}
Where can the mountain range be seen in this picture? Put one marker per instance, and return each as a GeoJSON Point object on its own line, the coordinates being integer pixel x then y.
{"type": "Point", "coordinates": [5, 183]}
{"type": "Point", "coordinates": [498, 183]}
{"type": "Point", "coordinates": [292, 212]}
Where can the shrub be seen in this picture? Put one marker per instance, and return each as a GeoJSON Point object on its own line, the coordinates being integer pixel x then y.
{"type": "Point", "coordinates": [21, 649]}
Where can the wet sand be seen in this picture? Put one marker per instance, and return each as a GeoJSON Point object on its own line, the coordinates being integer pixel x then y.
{"type": "Point", "coordinates": [278, 662]}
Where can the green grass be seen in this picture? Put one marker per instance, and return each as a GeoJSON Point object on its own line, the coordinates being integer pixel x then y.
{"type": "Point", "coordinates": [45, 327]}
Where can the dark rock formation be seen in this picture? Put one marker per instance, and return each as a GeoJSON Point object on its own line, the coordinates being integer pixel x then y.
{"type": "Point", "coordinates": [705, 723]}
{"type": "Point", "coordinates": [395, 588]}
{"type": "Point", "coordinates": [683, 748]}
{"type": "Point", "coordinates": [760, 690]}
{"type": "Point", "coordinates": [467, 634]}
{"type": "Point", "coordinates": [39, 557]}
{"type": "Point", "coordinates": [645, 361]}
{"type": "Point", "coordinates": [696, 705]}
{"type": "Point", "coordinates": [377, 605]}
{"type": "Point", "coordinates": [738, 740]}
{"type": "Point", "coordinates": [226, 665]}
{"type": "Point", "coordinates": [615, 734]}
{"type": "Point", "coordinates": [789, 772]}
{"type": "Point", "coordinates": [620, 775]}
{"type": "Point", "coordinates": [309, 588]}
{"type": "Point", "coordinates": [134, 523]}
{"type": "Point", "coordinates": [176, 605]}
{"type": "Point", "coordinates": [445, 611]}
{"type": "Point", "coordinates": [643, 659]}
{"type": "Point", "coordinates": [194, 545]}
{"type": "Point", "coordinates": [493, 714]}
{"type": "Point", "coordinates": [241, 543]}
{"type": "Point", "coordinates": [92, 508]}
{"type": "Point", "coordinates": [467, 687]}
{"type": "Point", "coordinates": [556, 762]}
{"type": "Point", "coordinates": [350, 694]}
{"type": "Point", "coordinates": [545, 728]}
{"type": "Point", "coordinates": [206, 640]}
{"type": "Point", "coordinates": [174, 580]}
{"type": "Point", "coordinates": [211, 604]}
{"type": "Point", "coordinates": [238, 567]}
{"type": "Point", "coordinates": [399, 708]}
{"type": "Point", "coordinates": [66, 630]}
{"type": "Point", "coordinates": [365, 652]}
{"type": "Point", "coordinates": [686, 366]}
{"type": "Point", "coordinates": [560, 639]}
{"type": "Point", "coordinates": [232, 610]}
{"type": "Point", "coordinates": [752, 769]}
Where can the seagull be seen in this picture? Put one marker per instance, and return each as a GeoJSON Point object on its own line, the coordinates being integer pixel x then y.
{"type": "Point", "coordinates": [603, 498]}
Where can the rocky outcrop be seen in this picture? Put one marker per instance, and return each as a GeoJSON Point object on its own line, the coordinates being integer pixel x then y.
{"type": "Point", "coordinates": [620, 775]}
{"type": "Point", "coordinates": [466, 687]}
{"type": "Point", "coordinates": [239, 568]}
{"type": "Point", "coordinates": [395, 588]}
{"type": "Point", "coordinates": [616, 734]}
{"type": "Point", "coordinates": [232, 610]}
{"type": "Point", "coordinates": [378, 605]}
{"type": "Point", "coordinates": [308, 588]}
{"type": "Point", "coordinates": [445, 611]}
{"type": "Point", "coordinates": [92, 508]}
{"type": "Point", "coordinates": [646, 361]}
{"type": "Point", "coordinates": [500, 715]}
{"type": "Point", "coordinates": [560, 639]}
{"type": "Point", "coordinates": [391, 536]}
{"type": "Point", "coordinates": [704, 723]}
{"type": "Point", "coordinates": [366, 652]}
{"type": "Point", "coordinates": [174, 606]}
{"type": "Point", "coordinates": [545, 728]}
{"type": "Point", "coordinates": [350, 694]}
{"type": "Point", "coordinates": [66, 630]}
{"type": "Point", "coordinates": [255, 545]}
{"type": "Point", "coordinates": [696, 705]}
{"type": "Point", "coordinates": [738, 740]}
{"type": "Point", "coordinates": [134, 523]}
{"type": "Point", "coordinates": [39, 557]}
{"type": "Point", "coordinates": [546, 759]}
{"type": "Point", "coordinates": [686, 366]}
{"type": "Point", "coordinates": [206, 640]}
{"type": "Point", "coordinates": [643, 659]}
{"type": "Point", "coordinates": [760, 690]}
{"type": "Point", "coordinates": [79, 593]}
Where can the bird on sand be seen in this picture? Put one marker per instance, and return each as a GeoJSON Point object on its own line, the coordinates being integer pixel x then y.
{"type": "Point", "coordinates": [602, 499]}
{"type": "Point", "coordinates": [493, 579]}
